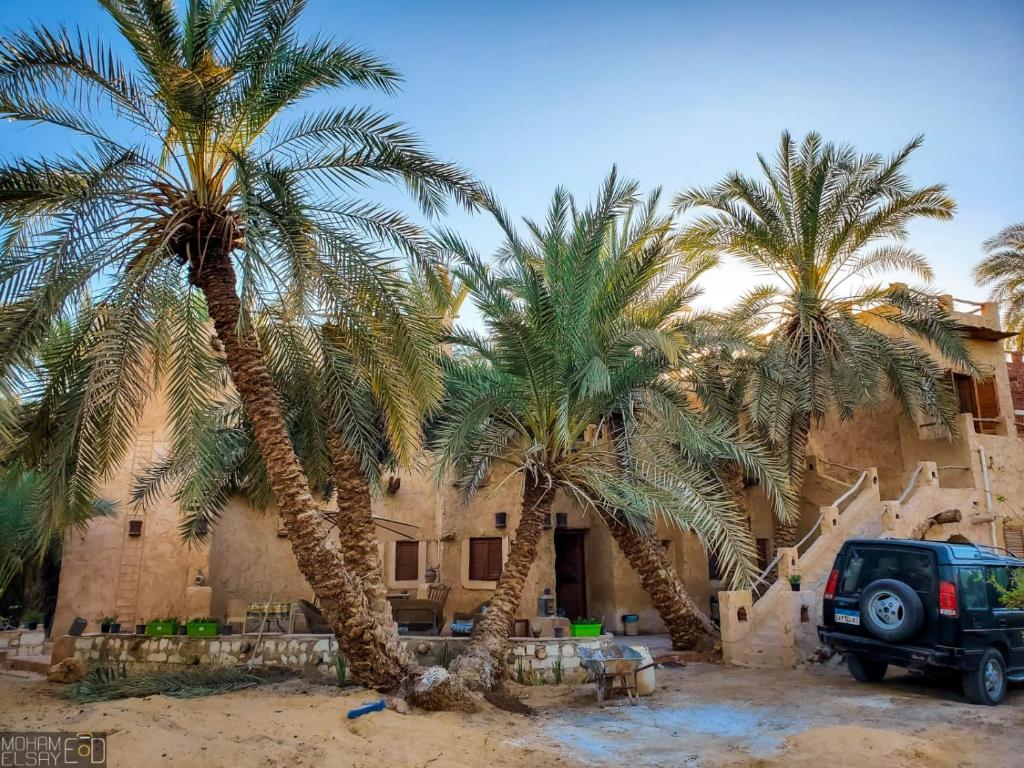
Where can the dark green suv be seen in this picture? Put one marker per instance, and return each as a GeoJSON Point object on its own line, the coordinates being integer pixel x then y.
{"type": "Point", "coordinates": [926, 605]}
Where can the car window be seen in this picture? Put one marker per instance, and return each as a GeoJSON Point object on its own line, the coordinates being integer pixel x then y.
{"type": "Point", "coordinates": [974, 588]}
{"type": "Point", "coordinates": [1003, 579]}
{"type": "Point", "coordinates": [867, 564]}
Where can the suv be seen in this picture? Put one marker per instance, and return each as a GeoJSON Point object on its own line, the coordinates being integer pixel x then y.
{"type": "Point", "coordinates": [926, 605]}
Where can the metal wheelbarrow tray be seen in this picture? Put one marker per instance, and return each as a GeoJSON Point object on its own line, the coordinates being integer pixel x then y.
{"type": "Point", "coordinates": [610, 663]}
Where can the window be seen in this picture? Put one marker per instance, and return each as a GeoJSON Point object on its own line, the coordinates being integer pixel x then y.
{"type": "Point", "coordinates": [407, 561]}
{"type": "Point", "coordinates": [1006, 579]}
{"type": "Point", "coordinates": [867, 564]}
{"type": "Point", "coordinates": [978, 397]}
{"type": "Point", "coordinates": [485, 559]}
{"type": "Point", "coordinates": [1014, 540]}
{"type": "Point", "coordinates": [974, 589]}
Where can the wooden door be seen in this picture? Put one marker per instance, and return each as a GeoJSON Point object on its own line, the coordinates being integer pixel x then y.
{"type": "Point", "coordinates": [570, 574]}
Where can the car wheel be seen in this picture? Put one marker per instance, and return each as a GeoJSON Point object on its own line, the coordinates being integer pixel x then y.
{"type": "Point", "coordinates": [890, 610]}
{"type": "Point", "coordinates": [987, 683]}
{"type": "Point", "coordinates": [864, 669]}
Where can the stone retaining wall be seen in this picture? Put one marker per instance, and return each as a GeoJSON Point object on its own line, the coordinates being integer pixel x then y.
{"type": "Point", "coordinates": [529, 661]}
{"type": "Point", "coordinates": [22, 642]}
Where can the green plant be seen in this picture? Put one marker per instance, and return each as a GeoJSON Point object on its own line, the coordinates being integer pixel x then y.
{"type": "Point", "coordinates": [443, 656]}
{"type": "Point", "coordinates": [106, 621]}
{"type": "Point", "coordinates": [794, 579]}
{"type": "Point", "coordinates": [556, 670]}
{"type": "Point", "coordinates": [1011, 596]}
{"type": "Point", "coordinates": [187, 684]}
{"type": "Point", "coordinates": [341, 669]}
{"type": "Point", "coordinates": [202, 194]}
{"type": "Point", "coordinates": [32, 617]}
{"type": "Point", "coordinates": [825, 222]}
{"type": "Point", "coordinates": [520, 672]}
{"type": "Point", "coordinates": [1003, 269]}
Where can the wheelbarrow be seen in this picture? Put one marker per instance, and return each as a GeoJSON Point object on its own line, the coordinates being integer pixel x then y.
{"type": "Point", "coordinates": [611, 664]}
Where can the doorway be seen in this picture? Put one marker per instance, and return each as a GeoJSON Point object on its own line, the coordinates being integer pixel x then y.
{"type": "Point", "coordinates": [570, 574]}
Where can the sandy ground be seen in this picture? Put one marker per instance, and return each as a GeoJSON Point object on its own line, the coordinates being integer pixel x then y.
{"type": "Point", "coordinates": [702, 715]}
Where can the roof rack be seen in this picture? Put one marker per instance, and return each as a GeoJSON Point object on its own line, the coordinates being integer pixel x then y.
{"type": "Point", "coordinates": [981, 547]}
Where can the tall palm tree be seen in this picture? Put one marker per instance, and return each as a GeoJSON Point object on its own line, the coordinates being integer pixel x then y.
{"type": "Point", "coordinates": [1003, 270]}
{"type": "Point", "coordinates": [336, 424]}
{"type": "Point", "coordinates": [201, 183]}
{"type": "Point", "coordinates": [823, 222]}
{"type": "Point", "coordinates": [582, 324]}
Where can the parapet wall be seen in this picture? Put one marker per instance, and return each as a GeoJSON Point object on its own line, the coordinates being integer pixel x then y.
{"type": "Point", "coordinates": [529, 661]}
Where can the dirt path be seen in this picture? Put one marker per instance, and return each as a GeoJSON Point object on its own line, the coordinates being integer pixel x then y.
{"type": "Point", "coordinates": [702, 716]}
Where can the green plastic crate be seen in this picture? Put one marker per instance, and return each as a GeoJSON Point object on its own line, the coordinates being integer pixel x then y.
{"type": "Point", "coordinates": [161, 628]}
{"type": "Point", "coordinates": [585, 630]}
{"type": "Point", "coordinates": [202, 628]}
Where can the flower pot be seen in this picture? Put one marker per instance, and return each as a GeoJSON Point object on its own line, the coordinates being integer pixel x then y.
{"type": "Point", "coordinates": [227, 629]}
{"type": "Point", "coordinates": [32, 625]}
{"type": "Point", "coordinates": [182, 629]}
{"type": "Point", "coordinates": [105, 628]}
{"type": "Point", "coordinates": [77, 626]}
{"type": "Point", "coordinates": [162, 628]}
{"type": "Point", "coordinates": [202, 628]}
{"type": "Point", "coordinates": [585, 630]}
{"type": "Point", "coordinates": [140, 629]}
{"type": "Point", "coordinates": [115, 628]}
{"type": "Point", "coordinates": [795, 586]}
{"type": "Point", "coordinates": [559, 632]}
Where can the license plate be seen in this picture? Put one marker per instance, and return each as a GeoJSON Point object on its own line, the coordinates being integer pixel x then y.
{"type": "Point", "coordinates": [847, 617]}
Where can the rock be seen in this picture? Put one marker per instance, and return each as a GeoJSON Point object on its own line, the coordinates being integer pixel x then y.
{"type": "Point", "coordinates": [401, 706]}
{"type": "Point", "coordinates": [70, 670]}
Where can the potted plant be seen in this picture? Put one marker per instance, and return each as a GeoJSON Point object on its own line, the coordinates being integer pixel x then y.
{"type": "Point", "coordinates": [162, 627]}
{"type": "Point", "coordinates": [107, 623]}
{"type": "Point", "coordinates": [32, 619]}
{"type": "Point", "coordinates": [203, 627]}
{"type": "Point", "coordinates": [585, 628]}
{"type": "Point", "coordinates": [794, 582]}
{"type": "Point", "coordinates": [140, 628]}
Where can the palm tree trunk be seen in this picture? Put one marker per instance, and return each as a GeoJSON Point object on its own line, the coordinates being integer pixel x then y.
{"type": "Point", "coordinates": [689, 628]}
{"type": "Point", "coordinates": [376, 656]}
{"type": "Point", "coordinates": [483, 661]}
{"type": "Point", "coordinates": [799, 435]}
{"type": "Point", "coordinates": [357, 533]}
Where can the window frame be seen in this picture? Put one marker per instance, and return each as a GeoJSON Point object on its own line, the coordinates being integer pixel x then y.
{"type": "Point", "coordinates": [493, 550]}
{"type": "Point", "coordinates": [406, 546]}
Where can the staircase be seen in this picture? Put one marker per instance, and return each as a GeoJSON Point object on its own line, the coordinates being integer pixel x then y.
{"type": "Point", "coordinates": [779, 628]}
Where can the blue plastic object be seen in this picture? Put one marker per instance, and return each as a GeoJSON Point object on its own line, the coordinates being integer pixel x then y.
{"type": "Point", "coordinates": [366, 709]}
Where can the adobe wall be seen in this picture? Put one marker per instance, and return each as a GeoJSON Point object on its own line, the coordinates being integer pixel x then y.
{"type": "Point", "coordinates": [105, 572]}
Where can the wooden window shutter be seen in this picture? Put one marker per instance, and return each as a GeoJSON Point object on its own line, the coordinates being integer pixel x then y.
{"type": "Point", "coordinates": [1014, 540]}
{"type": "Point", "coordinates": [485, 559]}
{"type": "Point", "coordinates": [407, 561]}
{"type": "Point", "coordinates": [988, 403]}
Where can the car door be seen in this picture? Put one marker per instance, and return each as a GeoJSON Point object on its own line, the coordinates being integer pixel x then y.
{"type": "Point", "coordinates": [1008, 621]}
{"type": "Point", "coordinates": [975, 604]}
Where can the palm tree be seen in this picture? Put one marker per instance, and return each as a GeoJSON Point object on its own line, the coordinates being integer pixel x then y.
{"type": "Point", "coordinates": [1003, 269]}
{"type": "Point", "coordinates": [336, 423]}
{"type": "Point", "coordinates": [823, 221]}
{"type": "Point", "coordinates": [582, 324]}
{"type": "Point", "coordinates": [203, 188]}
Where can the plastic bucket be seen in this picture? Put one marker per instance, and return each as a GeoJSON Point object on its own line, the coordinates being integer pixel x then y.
{"type": "Point", "coordinates": [631, 624]}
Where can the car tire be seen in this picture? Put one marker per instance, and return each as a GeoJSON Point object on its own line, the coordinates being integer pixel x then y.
{"type": "Point", "coordinates": [865, 669]}
{"type": "Point", "coordinates": [890, 610]}
{"type": "Point", "coordinates": [986, 684]}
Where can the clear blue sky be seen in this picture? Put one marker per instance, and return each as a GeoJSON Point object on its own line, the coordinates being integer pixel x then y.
{"type": "Point", "coordinates": [530, 95]}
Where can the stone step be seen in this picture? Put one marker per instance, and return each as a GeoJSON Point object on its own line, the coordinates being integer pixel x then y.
{"type": "Point", "coordinates": [39, 664]}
